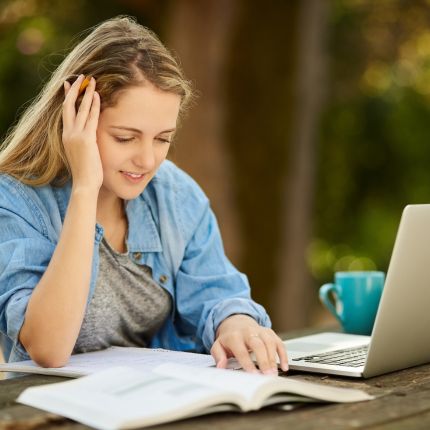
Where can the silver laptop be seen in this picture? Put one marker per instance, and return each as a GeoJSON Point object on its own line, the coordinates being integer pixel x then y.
{"type": "Point", "coordinates": [401, 333]}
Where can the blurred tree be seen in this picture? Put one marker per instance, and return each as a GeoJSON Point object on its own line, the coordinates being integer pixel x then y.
{"type": "Point", "coordinates": [260, 67]}
{"type": "Point", "coordinates": [201, 149]}
{"type": "Point", "coordinates": [274, 101]}
{"type": "Point", "coordinates": [294, 296]}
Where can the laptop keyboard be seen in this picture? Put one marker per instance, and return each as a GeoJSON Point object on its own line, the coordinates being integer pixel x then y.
{"type": "Point", "coordinates": [350, 357]}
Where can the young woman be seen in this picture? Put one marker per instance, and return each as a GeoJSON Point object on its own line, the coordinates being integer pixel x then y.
{"type": "Point", "coordinates": [103, 241]}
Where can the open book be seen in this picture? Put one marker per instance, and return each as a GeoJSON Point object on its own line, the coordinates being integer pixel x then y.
{"type": "Point", "coordinates": [125, 398]}
{"type": "Point", "coordinates": [89, 362]}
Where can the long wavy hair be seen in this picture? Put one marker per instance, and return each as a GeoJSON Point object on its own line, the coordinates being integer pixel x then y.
{"type": "Point", "coordinates": [119, 53]}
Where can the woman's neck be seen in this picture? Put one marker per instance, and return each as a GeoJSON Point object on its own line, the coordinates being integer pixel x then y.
{"type": "Point", "coordinates": [110, 209]}
{"type": "Point", "coordinates": [112, 217]}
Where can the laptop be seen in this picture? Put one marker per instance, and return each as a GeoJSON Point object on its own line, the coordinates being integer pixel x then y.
{"type": "Point", "coordinates": [401, 333]}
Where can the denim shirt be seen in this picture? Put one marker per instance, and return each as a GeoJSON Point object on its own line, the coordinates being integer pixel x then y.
{"type": "Point", "coordinates": [171, 229]}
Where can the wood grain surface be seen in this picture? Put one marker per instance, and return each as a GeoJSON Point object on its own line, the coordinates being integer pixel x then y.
{"type": "Point", "coordinates": [402, 402]}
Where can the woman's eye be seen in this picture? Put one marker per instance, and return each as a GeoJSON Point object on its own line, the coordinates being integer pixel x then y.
{"type": "Point", "coordinates": [161, 140]}
{"type": "Point", "coordinates": [123, 139]}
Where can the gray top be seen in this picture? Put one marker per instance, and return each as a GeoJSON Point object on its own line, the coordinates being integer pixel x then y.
{"type": "Point", "coordinates": [127, 307]}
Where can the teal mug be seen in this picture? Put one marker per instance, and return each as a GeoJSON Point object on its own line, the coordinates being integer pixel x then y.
{"type": "Point", "coordinates": [356, 298]}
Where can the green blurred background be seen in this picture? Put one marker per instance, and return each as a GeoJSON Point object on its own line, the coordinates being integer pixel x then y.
{"type": "Point", "coordinates": [309, 134]}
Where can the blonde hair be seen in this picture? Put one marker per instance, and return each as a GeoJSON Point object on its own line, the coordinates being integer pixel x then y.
{"type": "Point", "coordinates": [119, 53]}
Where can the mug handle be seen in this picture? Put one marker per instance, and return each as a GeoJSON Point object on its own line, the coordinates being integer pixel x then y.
{"type": "Point", "coordinates": [325, 291]}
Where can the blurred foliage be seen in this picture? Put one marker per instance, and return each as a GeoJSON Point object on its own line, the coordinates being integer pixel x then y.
{"type": "Point", "coordinates": [35, 36]}
{"type": "Point", "coordinates": [373, 154]}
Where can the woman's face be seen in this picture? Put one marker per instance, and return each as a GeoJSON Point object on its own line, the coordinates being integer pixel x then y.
{"type": "Point", "coordinates": [134, 137]}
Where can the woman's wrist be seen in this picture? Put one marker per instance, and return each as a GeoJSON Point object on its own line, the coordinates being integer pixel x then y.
{"type": "Point", "coordinates": [85, 192]}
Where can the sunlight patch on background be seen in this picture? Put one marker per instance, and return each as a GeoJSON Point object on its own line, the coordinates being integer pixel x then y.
{"type": "Point", "coordinates": [324, 259]}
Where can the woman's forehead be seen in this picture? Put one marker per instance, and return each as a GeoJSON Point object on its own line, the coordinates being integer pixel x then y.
{"type": "Point", "coordinates": [142, 107]}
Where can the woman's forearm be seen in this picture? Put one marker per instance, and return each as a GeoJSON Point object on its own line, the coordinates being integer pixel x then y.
{"type": "Point", "coordinates": [57, 305]}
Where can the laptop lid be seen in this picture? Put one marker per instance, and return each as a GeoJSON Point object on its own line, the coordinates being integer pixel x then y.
{"type": "Point", "coordinates": [401, 336]}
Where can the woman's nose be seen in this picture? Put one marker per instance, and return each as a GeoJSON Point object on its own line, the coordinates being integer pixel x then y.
{"type": "Point", "coordinates": [144, 158]}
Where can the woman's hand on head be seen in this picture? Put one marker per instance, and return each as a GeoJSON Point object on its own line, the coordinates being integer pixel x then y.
{"type": "Point", "coordinates": [80, 135]}
{"type": "Point", "coordinates": [238, 335]}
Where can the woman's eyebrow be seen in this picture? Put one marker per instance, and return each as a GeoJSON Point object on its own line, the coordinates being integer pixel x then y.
{"type": "Point", "coordinates": [136, 130]}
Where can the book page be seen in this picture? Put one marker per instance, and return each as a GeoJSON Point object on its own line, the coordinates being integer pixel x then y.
{"type": "Point", "coordinates": [256, 389]}
{"type": "Point", "coordinates": [124, 397]}
{"type": "Point", "coordinates": [128, 398]}
{"type": "Point", "coordinates": [245, 385]}
{"type": "Point", "coordinates": [138, 358]}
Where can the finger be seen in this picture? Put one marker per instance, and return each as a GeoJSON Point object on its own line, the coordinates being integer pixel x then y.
{"type": "Point", "coordinates": [73, 90]}
{"type": "Point", "coordinates": [219, 355]}
{"type": "Point", "coordinates": [93, 116]}
{"type": "Point", "coordinates": [258, 347]}
{"type": "Point", "coordinates": [240, 352]}
{"type": "Point", "coordinates": [84, 108]}
{"type": "Point", "coordinates": [270, 339]}
{"type": "Point", "coordinates": [282, 354]}
{"type": "Point", "coordinates": [67, 86]}
{"type": "Point", "coordinates": [69, 111]}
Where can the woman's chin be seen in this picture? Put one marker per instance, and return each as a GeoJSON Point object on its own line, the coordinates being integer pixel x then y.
{"type": "Point", "coordinates": [129, 194]}
{"type": "Point", "coordinates": [124, 192]}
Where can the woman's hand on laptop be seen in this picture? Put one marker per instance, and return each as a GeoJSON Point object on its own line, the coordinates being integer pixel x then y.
{"type": "Point", "coordinates": [238, 335]}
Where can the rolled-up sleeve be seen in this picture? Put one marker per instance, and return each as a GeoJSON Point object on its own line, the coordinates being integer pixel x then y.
{"type": "Point", "coordinates": [208, 287]}
{"type": "Point", "coordinates": [24, 256]}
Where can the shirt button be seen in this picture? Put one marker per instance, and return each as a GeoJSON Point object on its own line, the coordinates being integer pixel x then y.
{"type": "Point", "coordinates": [163, 278]}
{"type": "Point", "coordinates": [137, 255]}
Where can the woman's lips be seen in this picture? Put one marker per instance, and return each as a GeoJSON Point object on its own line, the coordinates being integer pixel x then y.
{"type": "Point", "coordinates": [133, 177]}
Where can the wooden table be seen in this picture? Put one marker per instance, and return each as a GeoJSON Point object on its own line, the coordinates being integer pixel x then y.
{"type": "Point", "coordinates": [403, 402]}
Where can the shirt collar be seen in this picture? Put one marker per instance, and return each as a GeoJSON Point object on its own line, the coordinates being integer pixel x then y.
{"type": "Point", "coordinates": [143, 234]}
